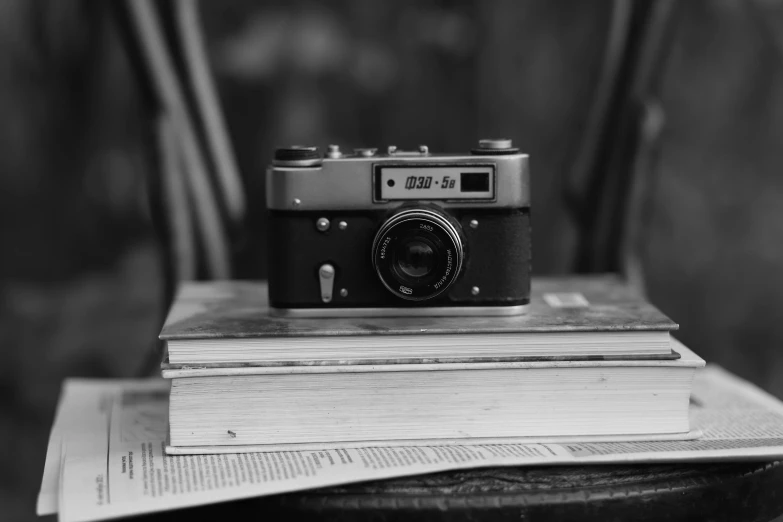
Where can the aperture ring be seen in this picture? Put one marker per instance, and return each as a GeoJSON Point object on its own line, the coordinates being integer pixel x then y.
{"type": "Point", "coordinates": [430, 226]}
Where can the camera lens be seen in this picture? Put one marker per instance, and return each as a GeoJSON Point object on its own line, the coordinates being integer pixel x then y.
{"type": "Point", "coordinates": [418, 253]}
{"type": "Point", "coordinates": [415, 258]}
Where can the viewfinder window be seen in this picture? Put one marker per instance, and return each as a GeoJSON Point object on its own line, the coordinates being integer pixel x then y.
{"type": "Point", "coordinates": [474, 182]}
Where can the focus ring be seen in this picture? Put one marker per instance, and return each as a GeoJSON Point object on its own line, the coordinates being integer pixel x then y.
{"type": "Point", "coordinates": [418, 224]}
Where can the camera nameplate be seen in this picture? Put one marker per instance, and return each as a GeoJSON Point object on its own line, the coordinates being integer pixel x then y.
{"type": "Point", "coordinates": [434, 182]}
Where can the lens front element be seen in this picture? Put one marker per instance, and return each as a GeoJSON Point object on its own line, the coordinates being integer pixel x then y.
{"type": "Point", "coordinates": [418, 253]}
{"type": "Point", "coordinates": [415, 258]}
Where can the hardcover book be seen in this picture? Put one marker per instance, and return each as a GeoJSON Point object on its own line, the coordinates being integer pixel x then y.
{"type": "Point", "coordinates": [296, 407]}
{"type": "Point", "coordinates": [229, 323]}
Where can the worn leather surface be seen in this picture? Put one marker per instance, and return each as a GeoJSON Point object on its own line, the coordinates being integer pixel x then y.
{"type": "Point", "coordinates": [728, 491]}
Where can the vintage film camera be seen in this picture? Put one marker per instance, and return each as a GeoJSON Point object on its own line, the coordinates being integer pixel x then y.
{"type": "Point", "coordinates": [401, 233]}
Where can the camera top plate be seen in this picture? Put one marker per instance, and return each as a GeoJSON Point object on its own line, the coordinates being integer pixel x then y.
{"type": "Point", "coordinates": [300, 179]}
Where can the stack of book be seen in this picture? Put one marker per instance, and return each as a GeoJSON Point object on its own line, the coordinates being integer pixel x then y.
{"type": "Point", "coordinates": [588, 360]}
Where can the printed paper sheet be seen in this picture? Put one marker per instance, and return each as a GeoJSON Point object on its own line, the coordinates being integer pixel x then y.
{"type": "Point", "coordinates": [106, 455]}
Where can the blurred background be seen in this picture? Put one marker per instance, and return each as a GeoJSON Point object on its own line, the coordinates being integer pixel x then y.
{"type": "Point", "coordinates": [680, 187]}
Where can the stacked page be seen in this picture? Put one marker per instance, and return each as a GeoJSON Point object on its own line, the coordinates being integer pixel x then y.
{"type": "Point", "coordinates": [323, 404]}
{"type": "Point", "coordinates": [106, 452]}
{"type": "Point", "coordinates": [229, 323]}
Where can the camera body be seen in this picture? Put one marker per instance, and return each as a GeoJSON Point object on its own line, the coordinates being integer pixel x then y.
{"type": "Point", "coordinates": [401, 233]}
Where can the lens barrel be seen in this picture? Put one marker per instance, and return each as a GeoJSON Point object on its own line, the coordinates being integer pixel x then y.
{"type": "Point", "coordinates": [418, 253]}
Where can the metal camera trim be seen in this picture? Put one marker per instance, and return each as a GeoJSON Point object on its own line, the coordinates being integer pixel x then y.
{"type": "Point", "coordinates": [414, 311]}
{"type": "Point", "coordinates": [346, 183]}
{"type": "Point", "coordinates": [431, 216]}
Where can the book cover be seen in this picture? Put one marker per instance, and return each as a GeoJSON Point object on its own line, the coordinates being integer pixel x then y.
{"type": "Point", "coordinates": [681, 357]}
{"type": "Point", "coordinates": [240, 309]}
